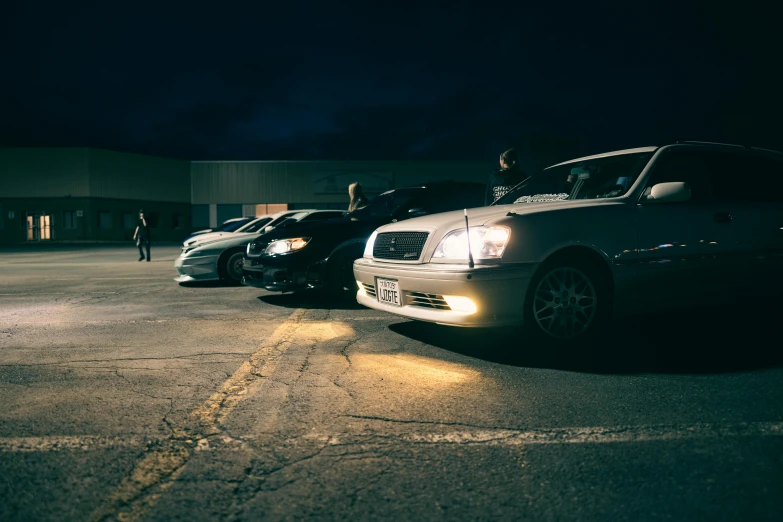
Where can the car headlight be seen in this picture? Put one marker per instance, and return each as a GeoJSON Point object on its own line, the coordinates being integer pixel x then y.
{"type": "Point", "coordinates": [485, 243]}
{"type": "Point", "coordinates": [286, 245]}
{"type": "Point", "coordinates": [370, 244]}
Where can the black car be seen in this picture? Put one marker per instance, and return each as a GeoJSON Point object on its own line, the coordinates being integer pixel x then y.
{"type": "Point", "coordinates": [321, 254]}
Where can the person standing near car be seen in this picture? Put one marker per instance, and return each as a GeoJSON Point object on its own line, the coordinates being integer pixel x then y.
{"type": "Point", "coordinates": [142, 236]}
{"type": "Point", "coordinates": [505, 178]}
{"type": "Point", "coordinates": [356, 194]}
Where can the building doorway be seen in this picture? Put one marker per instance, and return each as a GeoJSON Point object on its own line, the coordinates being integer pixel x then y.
{"type": "Point", "coordinates": [39, 226]}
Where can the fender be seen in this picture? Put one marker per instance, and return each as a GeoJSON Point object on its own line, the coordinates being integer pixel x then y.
{"type": "Point", "coordinates": [345, 245]}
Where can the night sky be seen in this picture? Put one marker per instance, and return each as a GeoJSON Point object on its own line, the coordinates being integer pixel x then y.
{"type": "Point", "coordinates": [352, 81]}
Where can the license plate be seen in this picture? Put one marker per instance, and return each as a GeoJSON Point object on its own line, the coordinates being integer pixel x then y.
{"type": "Point", "coordinates": [388, 292]}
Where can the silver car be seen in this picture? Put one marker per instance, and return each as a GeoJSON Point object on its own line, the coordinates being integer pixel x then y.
{"type": "Point", "coordinates": [222, 258]}
{"type": "Point", "coordinates": [630, 231]}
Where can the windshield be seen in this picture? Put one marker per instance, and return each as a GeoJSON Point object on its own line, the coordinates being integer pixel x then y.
{"type": "Point", "coordinates": [256, 225]}
{"type": "Point", "coordinates": [599, 178]}
{"type": "Point", "coordinates": [233, 225]}
{"type": "Point", "coordinates": [387, 204]}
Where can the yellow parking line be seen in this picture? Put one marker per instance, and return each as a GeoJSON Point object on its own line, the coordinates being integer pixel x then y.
{"type": "Point", "coordinates": [159, 468]}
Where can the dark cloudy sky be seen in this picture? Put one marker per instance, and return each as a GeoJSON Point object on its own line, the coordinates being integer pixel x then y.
{"type": "Point", "coordinates": [312, 80]}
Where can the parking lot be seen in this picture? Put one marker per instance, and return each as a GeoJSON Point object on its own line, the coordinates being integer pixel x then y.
{"type": "Point", "coordinates": [129, 396]}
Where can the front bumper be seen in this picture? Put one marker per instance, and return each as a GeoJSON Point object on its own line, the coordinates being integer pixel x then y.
{"type": "Point", "coordinates": [196, 269]}
{"type": "Point", "coordinates": [283, 275]}
{"type": "Point", "coordinates": [498, 291]}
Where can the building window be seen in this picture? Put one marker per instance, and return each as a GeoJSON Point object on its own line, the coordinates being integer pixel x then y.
{"type": "Point", "coordinates": [176, 220]}
{"type": "Point", "coordinates": [127, 221]}
{"type": "Point", "coordinates": [69, 219]}
{"type": "Point", "coordinates": [104, 220]}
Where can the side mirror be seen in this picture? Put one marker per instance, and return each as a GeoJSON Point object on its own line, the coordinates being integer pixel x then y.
{"type": "Point", "coordinates": [268, 229]}
{"type": "Point", "coordinates": [417, 212]}
{"type": "Point", "coordinates": [674, 192]}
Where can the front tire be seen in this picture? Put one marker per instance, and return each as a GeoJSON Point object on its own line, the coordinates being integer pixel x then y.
{"type": "Point", "coordinates": [230, 267]}
{"type": "Point", "coordinates": [568, 301]}
{"type": "Point", "coordinates": [340, 279]}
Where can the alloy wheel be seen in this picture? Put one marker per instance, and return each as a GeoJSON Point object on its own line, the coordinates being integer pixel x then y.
{"type": "Point", "coordinates": [235, 264]}
{"type": "Point", "coordinates": [564, 303]}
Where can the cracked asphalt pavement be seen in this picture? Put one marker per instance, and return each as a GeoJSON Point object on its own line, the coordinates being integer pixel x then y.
{"type": "Point", "coordinates": [129, 397]}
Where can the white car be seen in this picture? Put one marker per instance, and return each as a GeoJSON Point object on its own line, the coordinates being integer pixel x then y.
{"type": "Point", "coordinates": [619, 233]}
{"type": "Point", "coordinates": [222, 258]}
{"type": "Point", "coordinates": [255, 226]}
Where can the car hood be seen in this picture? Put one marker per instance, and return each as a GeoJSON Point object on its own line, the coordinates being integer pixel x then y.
{"type": "Point", "coordinates": [336, 229]}
{"type": "Point", "coordinates": [486, 215]}
{"type": "Point", "coordinates": [234, 239]}
{"type": "Point", "coordinates": [202, 237]}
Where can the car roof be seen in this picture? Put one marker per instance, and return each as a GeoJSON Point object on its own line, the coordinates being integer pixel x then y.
{"type": "Point", "coordinates": [638, 150]}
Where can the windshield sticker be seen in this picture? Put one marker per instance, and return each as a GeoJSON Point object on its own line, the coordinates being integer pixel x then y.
{"type": "Point", "coordinates": [542, 197]}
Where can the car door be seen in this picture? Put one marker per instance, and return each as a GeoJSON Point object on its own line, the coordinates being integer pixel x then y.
{"type": "Point", "coordinates": [752, 183]}
{"type": "Point", "coordinates": [682, 246]}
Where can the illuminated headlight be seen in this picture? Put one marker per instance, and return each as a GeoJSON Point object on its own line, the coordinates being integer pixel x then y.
{"type": "Point", "coordinates": [286, 245]}
{"type": "Point", "coordinates": [370, 244]}
{"type": "Point", "coordinates": [485, 243]}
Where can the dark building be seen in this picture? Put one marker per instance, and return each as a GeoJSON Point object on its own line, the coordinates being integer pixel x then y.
{"type": "Point", "coordinates": [81, 194]}
{"type": "Point", "coordinates": [86, 194]}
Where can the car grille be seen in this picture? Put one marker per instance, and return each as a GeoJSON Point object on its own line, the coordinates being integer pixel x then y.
{"type": "Point", "coordinates": [369, 289]}
{"type": "Point", "coordinates": [403, 246]}
{"type": "Point", "coordinates": [428, 301]}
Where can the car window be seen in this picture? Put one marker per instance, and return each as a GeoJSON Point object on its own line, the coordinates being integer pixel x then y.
{"type": "Point", "coordinates": [689, 166]}
{"type": "Point", "coordinates": [315, 216]}
{"type": "Point", "coordinates": [598, 178]}
{"type": "Point", "coordinates": [723, 176]}
{"type": "Point", "coordinates": [746, 178]}
{"type": "Point", "coordinates": [255, 226]}
{"type": "Point", "coordinates": [388, 204]}
{"type": "Point", "coordinates": [230, 227]}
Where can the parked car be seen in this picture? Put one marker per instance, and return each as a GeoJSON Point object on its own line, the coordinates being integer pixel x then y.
{"type": "Point", "coordinates": [254, 226]}
{"type": "Point", "coordinates": [228, 226]}
{"type": "Point", "coordinates": [222, 257]}
{"type": "Point", "coordinates": [630, 231]}
{"type": "Point", "coordinates": [317, 255]}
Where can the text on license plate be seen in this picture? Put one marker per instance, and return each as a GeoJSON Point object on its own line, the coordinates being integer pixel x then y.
{"type": "Point", "coordinates": [389, 292]}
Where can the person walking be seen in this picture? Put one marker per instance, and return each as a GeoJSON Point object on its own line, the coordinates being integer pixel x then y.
{"type": "Point", "coordinates": [142, 236]}
{"type": "Point", "coordinates": [357, 196]}
{"type": "Point", "coordinates": [505, 178]}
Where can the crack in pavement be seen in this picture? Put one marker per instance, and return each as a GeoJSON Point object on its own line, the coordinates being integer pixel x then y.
{"type": "Point", "coordinates": [162, 464]}
{"type": "Point", "coordinates": [344, 353]}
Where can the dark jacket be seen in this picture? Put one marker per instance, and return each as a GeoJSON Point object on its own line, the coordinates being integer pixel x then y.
{"type": "Point", "coordinates": [144, 230]}
{"type": "Point", "coordinates": [501, 181]}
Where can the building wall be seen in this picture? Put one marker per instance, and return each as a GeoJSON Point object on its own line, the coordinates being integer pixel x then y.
{"type": "Point", "coordinates": [44, 172]}
{"type": "Point", "coordinates": [88, 224]}
{"type": "Point", "coordinates": [132, 176]}
{"type": "Point", "coordinates": [316, 183]}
